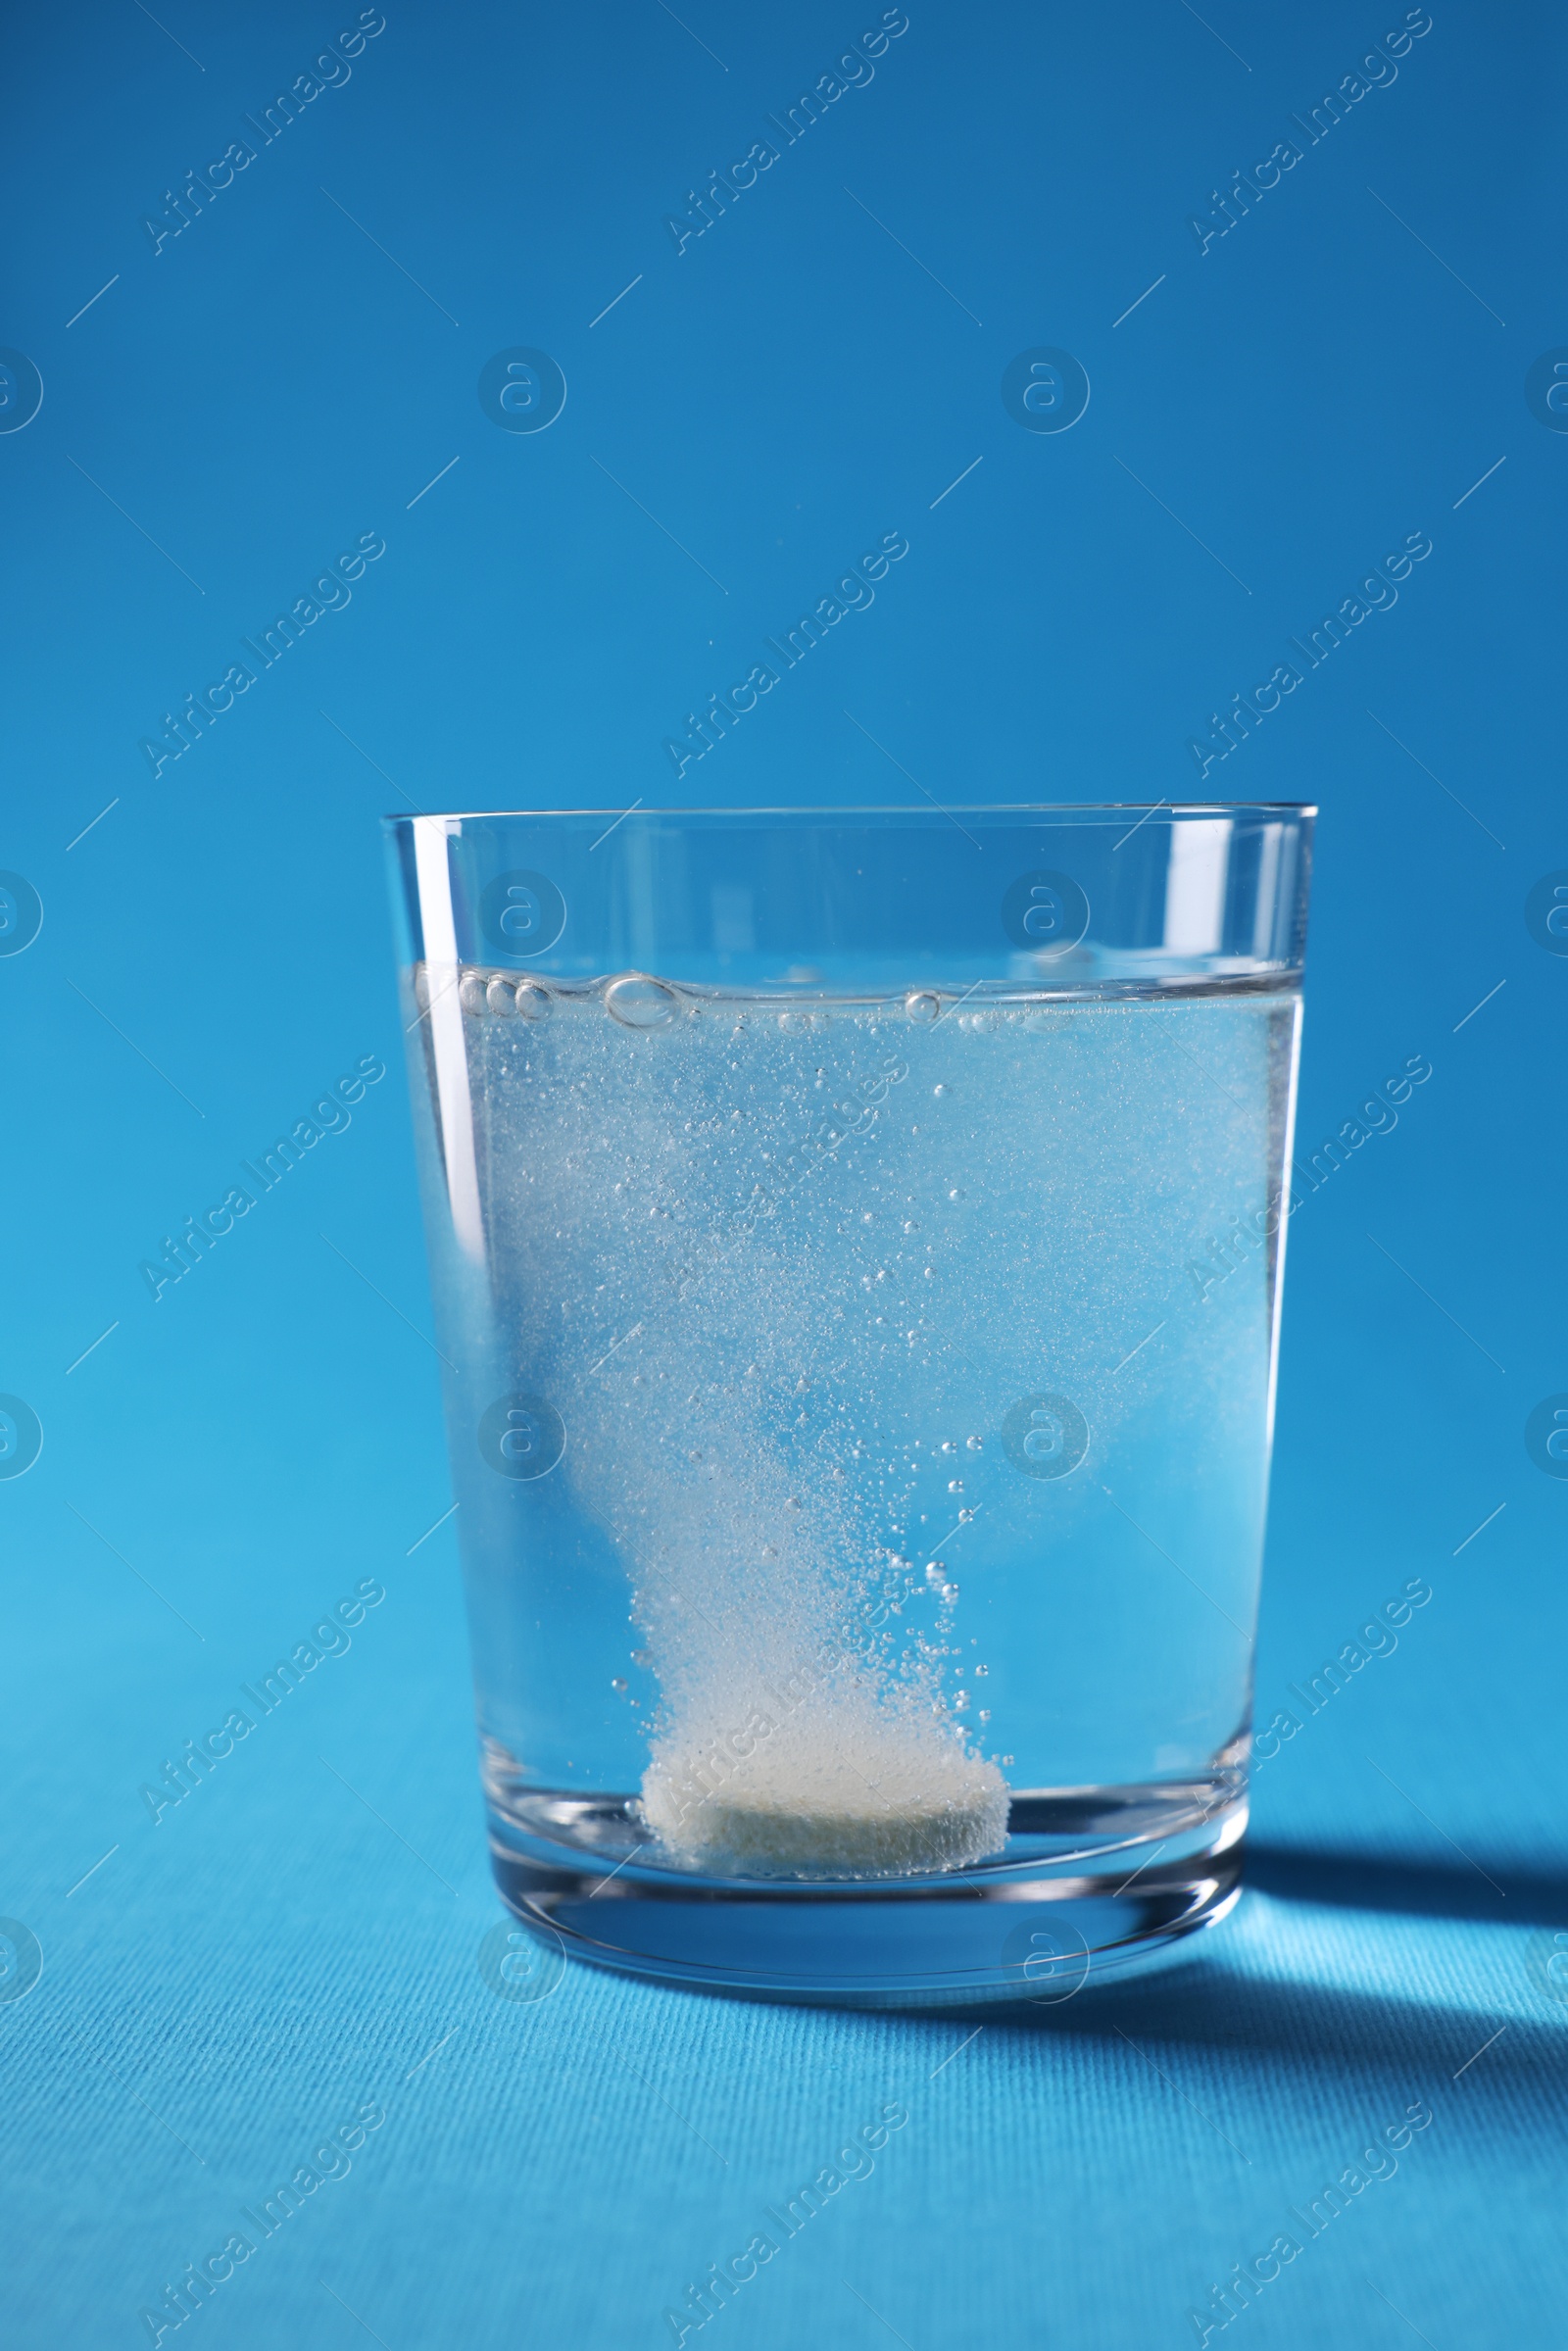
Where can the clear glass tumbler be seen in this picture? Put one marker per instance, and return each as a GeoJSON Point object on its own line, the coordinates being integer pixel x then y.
{"type": "Point", "coordinates": [856, 1239]}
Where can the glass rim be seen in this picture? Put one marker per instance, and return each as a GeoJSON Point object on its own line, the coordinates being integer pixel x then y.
{"type": "Point", "coordinates": [1209, 808]}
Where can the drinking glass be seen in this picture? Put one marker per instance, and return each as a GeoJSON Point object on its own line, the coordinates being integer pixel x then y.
{"type": "Point", "coordinates": [856, 1237]}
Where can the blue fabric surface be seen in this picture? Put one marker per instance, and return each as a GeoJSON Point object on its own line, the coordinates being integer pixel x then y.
{"type": "Point", "coordinates": [292, 1951]}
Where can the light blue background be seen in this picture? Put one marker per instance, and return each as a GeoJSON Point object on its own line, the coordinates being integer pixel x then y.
{"type": "Point", "coordinates": [222, 422]}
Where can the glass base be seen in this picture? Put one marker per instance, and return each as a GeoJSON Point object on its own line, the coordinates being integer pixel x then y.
{"type": "Point", "coordinates": [1093, 1883]}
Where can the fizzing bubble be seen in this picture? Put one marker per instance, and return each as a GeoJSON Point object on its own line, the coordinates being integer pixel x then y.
{"type": "Point", "coordinates": [639, 1004]}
